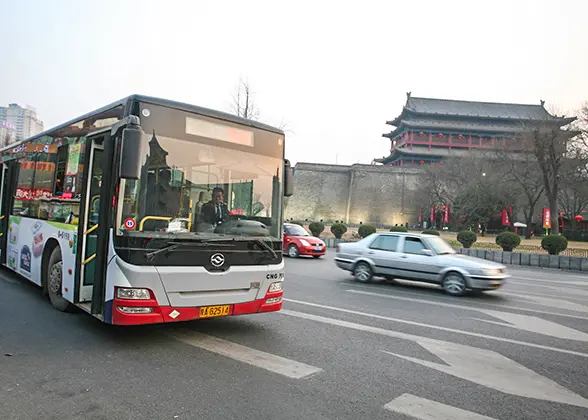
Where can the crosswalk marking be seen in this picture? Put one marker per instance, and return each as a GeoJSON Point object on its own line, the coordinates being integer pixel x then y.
{"type": "Point", "coordinates": [424, 409]}
{"type": "Point", "coordinates": [267, 361]}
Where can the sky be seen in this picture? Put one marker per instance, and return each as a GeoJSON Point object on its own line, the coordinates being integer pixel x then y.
{"type": "Point", "coordinates": [333, 71]}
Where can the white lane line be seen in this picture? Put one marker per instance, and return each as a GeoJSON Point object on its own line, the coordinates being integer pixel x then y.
{"type": "Point", "coordinates": [261, 359]}
{"type": "Point", "coordinates": [390, 333]}
{"type": "Point", "coordinates": [551, 302]}
{"type": "Point", "coordinates": [525, 294]}
{"type": "Point", "coordinates": [423, 409]}
{"type": "Point", "coordinates": [581, 280]}
{"type": "Point", "coordinates": [522, 322]}
{"type": "Point", "coordinates": [564, 291]}
{"type": "Point", "coordinates": [467, 307]}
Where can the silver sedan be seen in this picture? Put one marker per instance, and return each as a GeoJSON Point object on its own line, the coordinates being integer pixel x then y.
{"type": "Point", "coordinates": [426, 258]}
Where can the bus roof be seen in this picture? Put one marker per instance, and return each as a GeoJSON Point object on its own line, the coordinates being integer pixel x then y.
{"type": "Point", "coordinates": [156, 101]}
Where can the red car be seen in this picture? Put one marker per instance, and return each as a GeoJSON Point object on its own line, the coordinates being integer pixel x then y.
{"type": "Point", "coordinates": [297, 241]}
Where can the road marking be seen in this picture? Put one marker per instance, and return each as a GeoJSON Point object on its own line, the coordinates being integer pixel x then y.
{"type": "Point", "coordinates": [424, 409]}
{"type": "Point", "coordinates": [566, 291]}
{"type": "Point", "coordinates": [521, 295]}
{"type": "Point", "coordinates": [493, 370]}
{"type": "Point", "coordinates": [456, 306]}
{"type": "Point", "coordinates": [554, 303]}
{"type": "Point", "coordinates": [403, 321]}
{"type": "Point", "coordinates": [521, 322]}
{"type": "Point", "coordinates": [484, 367]}
{"type": "Point", "coordinates": [493, 293]}
{"type": "Point", "coordinates": [537, 325]}
{"type": "Point", "coordinates": [268, 361]}
{"type": "Point", "coordinates": [581, 280]}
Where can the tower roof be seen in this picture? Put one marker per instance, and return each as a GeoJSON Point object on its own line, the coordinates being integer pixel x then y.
{"type": "Point", "coordinates": [432, 107]}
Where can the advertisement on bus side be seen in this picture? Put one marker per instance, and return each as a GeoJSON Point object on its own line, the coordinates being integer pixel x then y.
{"type": "Point", "coordinates": [26, 242]}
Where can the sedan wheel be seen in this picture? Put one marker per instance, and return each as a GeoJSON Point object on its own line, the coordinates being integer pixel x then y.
{"type": "Point", "coordinates": [293, 251]}
{"type": "Point", "coordinates": [363, 272]}
{"type": "Point", "coordinates": [454, 284]}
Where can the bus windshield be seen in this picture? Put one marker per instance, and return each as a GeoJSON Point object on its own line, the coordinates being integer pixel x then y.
{"type": "Point", "coordinates": [204, 175]}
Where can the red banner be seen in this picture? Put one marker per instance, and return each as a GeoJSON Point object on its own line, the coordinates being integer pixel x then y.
{"type": "Point", "coordinates": [505, 219]}
{"type": "Point", "coordinates": [432, 214]}
{"type": "Point", "coordinates": [546, 218]}
{"type": "Point", "coordinates": [446, 214]}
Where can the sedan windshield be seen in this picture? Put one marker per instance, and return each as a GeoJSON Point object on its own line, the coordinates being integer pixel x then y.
{"type": "Point", "coordinates": [296, 230]}
{"type": "Point", "coordinates": [440, 246]}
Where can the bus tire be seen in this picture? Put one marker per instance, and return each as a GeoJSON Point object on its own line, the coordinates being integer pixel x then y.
{"type": "Point", "coordinates": [54, 281]}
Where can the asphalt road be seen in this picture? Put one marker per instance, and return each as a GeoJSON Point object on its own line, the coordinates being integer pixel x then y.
{"type": "Point", "coordinates": [338, 350]}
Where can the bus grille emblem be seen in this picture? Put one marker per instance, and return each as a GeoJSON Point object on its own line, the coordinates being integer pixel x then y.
{"type": "Point", "coordinates": [217, 260]}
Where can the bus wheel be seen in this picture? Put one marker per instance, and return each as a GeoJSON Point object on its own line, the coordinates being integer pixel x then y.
{"type": "Point", "coordinates": [54, 278]}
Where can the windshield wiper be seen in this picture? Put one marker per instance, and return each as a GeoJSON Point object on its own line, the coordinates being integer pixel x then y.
{"type": "Point", "coordinates": [266, 247]}
{"type": "Point", "coordinates": [172, 245]}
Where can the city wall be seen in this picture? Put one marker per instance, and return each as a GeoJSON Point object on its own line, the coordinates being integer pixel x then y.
{"type": "Point", "coordinates": [357, 193]}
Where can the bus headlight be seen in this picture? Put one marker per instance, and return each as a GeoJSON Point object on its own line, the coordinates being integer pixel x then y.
{"type": "Point", "coordinates": [134, 310]}
{"type": "Point", "coordinates": [140, 294]}
{"type": "Point", "coordinates": [276, 287]}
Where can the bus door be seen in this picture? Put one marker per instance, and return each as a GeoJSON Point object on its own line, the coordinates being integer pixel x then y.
{"type": "Point", "coordinates": [7, 185]}
{"type": "Point", "coordinates": [90, 218]}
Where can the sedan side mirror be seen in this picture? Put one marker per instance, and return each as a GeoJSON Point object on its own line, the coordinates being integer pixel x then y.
{"type": "Point", "coordinates": [427, 252]}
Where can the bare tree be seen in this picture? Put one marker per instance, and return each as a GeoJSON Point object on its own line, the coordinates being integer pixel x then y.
{"type": "Point", "coordinates": [523, 172]}
{"type": "Point", "coordinates": [473, 184]}
{"type": "Point", "coordinates": [244, 105]}
{"type": "Point", "coordinates": [554, 144]}
{"type": "Point", "coordinates": [243, 101]}
{"type": "Point", "coordinates": [573, 195]}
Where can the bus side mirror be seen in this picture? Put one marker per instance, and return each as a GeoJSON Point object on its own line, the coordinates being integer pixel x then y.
{"type": "Point", "coordinates": [288, 179]}
{"type": "Point", "coordinates": [130, 157]}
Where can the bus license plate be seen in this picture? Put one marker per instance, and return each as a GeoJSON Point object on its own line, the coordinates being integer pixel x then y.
{"type": "Point", "coordinates": [212, 311]}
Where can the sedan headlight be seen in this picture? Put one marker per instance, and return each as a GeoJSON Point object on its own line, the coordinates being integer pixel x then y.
{"type": "Point", "coordinates": [492, 271]}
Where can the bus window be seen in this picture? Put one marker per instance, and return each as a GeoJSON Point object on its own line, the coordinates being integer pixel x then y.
{"type": "Point", "coordinates": [24, 188]}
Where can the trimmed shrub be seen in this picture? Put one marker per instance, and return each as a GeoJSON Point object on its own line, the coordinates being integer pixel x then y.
{"type": "Point", "coordinates": [316, 228]}
{"type": "Point", "coordinates": [398, 229]}
{"type": "Point", "coordinates": [338, 230]}
{"type": "Point", "coordinates": [554, 244]}
{"type": "Point", "coordinates": [431, 232]}
{"type": "Point", "coordinates": [366, 230]}
{"type": "Point", "coordinates": [508, 241]}
{"type": "Point", "coordinates": [467, 238]}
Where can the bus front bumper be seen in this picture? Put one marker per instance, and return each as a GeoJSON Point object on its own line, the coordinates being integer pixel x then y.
{"type": "Point", "coordinates": [142, 312]}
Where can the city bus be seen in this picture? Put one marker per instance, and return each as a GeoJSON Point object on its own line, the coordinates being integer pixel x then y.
{"type": "Point", "coordinates": [149, 211]}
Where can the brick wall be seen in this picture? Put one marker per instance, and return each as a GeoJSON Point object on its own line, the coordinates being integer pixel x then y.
{"type": "Point", "coordinates": [356, 193]}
